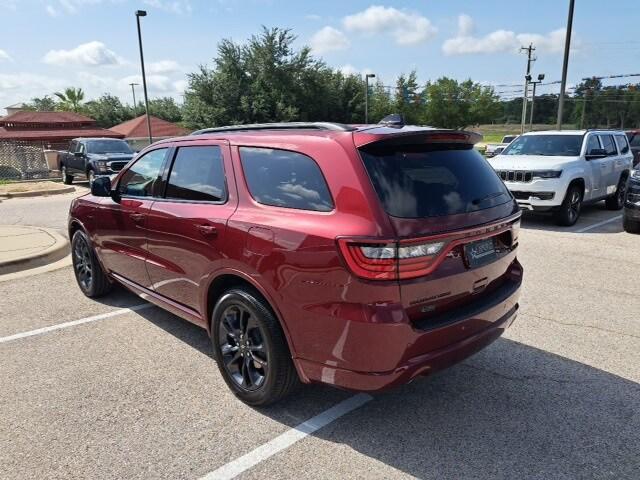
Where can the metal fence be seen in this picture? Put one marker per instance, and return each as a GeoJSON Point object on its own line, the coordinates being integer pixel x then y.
{"type": "Point", "coordinates": [24, 160]}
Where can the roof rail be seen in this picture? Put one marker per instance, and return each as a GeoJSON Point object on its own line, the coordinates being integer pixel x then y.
{"type": "Point", "coordinates": [335, 127]}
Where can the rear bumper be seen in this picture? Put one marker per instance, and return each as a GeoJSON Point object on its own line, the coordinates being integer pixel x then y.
{"type": "Point", "coordinates": [484, 327]}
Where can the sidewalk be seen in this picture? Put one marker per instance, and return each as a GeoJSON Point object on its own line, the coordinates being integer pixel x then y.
{"type": "Point", "coordinates": [23, 248]}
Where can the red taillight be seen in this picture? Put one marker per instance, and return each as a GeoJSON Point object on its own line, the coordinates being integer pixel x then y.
{"type": "Point", "coordinates": [391, 260]}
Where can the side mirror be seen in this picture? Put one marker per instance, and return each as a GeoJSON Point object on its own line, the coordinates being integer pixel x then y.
{"type": "Point", "coordinates": [596, 153]}
{"type": "Point", "coordinates": [101, 187]}
{"type": "Point", "coordinates": [79, 154]}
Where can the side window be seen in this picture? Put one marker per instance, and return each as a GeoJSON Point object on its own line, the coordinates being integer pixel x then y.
{"type": "Point", "coordinates": [593, 143]}
{"type": "Point", "coordinates": [197, 174]}
{"type": "Point", "coordinates": [139, 179]}
{"type": "Point", "coordinates": [608, 145]}
{"type": "Point", "coordinates": [72, 146]}
{"type": "Point", "coordinates": [82, 148]}
{"type": "Point", "coordinates": [623, 144]}
{"type": "Point", "coordinates": [285, 179]}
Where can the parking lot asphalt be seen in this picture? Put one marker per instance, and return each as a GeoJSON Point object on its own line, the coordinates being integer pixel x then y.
{"type": "Point", "coordinates": [136, 394]}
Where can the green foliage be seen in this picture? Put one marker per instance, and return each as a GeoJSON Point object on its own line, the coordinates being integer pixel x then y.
{"type": "Point", "coordinates": [450, 104]}
{"type": "Point", "coordinates": [165, 108]}
{"type": "Point", "coordinates": [107, 111]}
{"type": "Point", "coordinates": [267, 80]}
{"type": "Point", "coordinates": [71, 99]}
{"type": "Point", "coordinates": [42, 104]}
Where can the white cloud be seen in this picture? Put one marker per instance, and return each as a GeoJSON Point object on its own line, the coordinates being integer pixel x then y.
{"type": "Point", "coordinates": [4, 56]}
{"type": "Point", "coordinates": [90, 54]}
{"type": "Point", "coordinates": [164, 66]}
{"type": "Point", "coordinates": [406, 28]}
{"type": "Point", "coordinates": [349, 69]}
{"type": "Point", "coordinates": [51, 10]}
{"type": "Point", "coordinates": [172, 6]}
{"type": "Point", "coordinates": [499, 41]}
{"type": "Point", "coordinates": [180, 86]}
{"type": "Point", "coordinates": [329, 39]}
{"type": "Point", "coordinates": [157, 83]}
{"type": "Point", "coordinates": [22, 87]}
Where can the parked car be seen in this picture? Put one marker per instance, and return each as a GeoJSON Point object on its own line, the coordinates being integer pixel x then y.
{"type": "Point", "coordinates": [315, 252]}
{"type": "Point", "coordinates": [634, 141]}
{"type": "Point", "coordinates": [631, 216]}
{"type": "Point", "coordinates": [494, 149]}
{"type": "Point", "coordinates": [93, 157]}
{"type": "Point", "coordinates": [559, 171]}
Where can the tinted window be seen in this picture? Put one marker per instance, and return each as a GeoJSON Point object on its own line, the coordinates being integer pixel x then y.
{"type": "Point", "coordinates": [593, 143]}
{"type": "Point", "coordinates": [550, 145]}
{"type": "Point", "coordinates": [139, 179]}
{"type": "Point", "coordinates": [623, 145]}
{"type": "Point", "coordinates": [634, 139]}
{"type": "Point", "coordinates": [285, 179]}
{"type": "Point", "coordinates": [423, 181]}
{"type": "Point", "coordinates": [608, 145]}
{"type": "Point", "coordinates": [197, 174]}
{"type": "Point", "coordinates": [508, 139]}
{"type": "Point", "coordinates": [73, 146]}
{"type": "Point", "coordinates": [108, 146]}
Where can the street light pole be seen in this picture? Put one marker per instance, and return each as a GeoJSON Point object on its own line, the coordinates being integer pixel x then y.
{"type": "Point", "coordinates": [133, 91]}
{"type": "Point", "coordinates": [366, 96]}
{"type": "Point", "coordinates": [533, 99]}
{"type": "Point", "coordinates": [142, 13]}
{"type": "Point", "coordinates": [565, 63]}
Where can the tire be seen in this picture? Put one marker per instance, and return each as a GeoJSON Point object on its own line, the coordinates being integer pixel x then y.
{"type": "Point", "coordinates": [66, 178]}
{"type": "Point", "coordinates": [630, 226]}
{"type": "Point", "coordinates": [569, 212]}
{"type": "Point", "coordinates": [616, 201]}
{"type": "Point", "coordinates": [250, 348]}
{"type": "Point", "coordinates": [89, 274]}
{"type": "Point", "coordinates": [91, 176]}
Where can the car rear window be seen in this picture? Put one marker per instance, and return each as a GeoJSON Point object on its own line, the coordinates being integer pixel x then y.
{"type": "Point", "coordinates": [282, 178]}
{"type": "Point", "coordinates": [623, 144]}
{"type": "Point", "coordinates": [432, 181]}
{"type": "Point", "coordinates": [197, 174]}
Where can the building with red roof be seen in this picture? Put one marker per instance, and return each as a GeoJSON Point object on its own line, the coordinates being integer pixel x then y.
{"type": "Point", "coordinates": [136, 132]}
{"type": "Point", "coordinates": [50, 128]}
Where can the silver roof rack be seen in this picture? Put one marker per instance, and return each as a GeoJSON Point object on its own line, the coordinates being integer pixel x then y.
{"type": "Point", "coordinates": [335, 127]}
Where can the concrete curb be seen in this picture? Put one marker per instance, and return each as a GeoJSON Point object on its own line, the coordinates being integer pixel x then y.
{"type": "Point", "coordinates": [65, 262]}
{"type": "Point", "coordinates": [57, 251]}
{"type": "Point", "coordinates": [39, 193]}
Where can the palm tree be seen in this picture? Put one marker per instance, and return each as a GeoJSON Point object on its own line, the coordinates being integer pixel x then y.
{"type": "Point", "coordinates": [71, 99]}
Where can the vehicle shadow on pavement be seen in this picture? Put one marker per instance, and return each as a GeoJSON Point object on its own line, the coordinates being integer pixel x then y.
{"type": "Point", "coordinates": [591, 215]}
{"type": "Point", "coordinates": [511, 411]}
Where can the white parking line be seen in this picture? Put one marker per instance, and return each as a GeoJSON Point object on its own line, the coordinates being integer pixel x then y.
{"type": "Point", "coordinates": [599, 224]}
{"type": "Point", "coordinates": [288, 438]}
{"type": "Point", "coordinates": [73, 323]}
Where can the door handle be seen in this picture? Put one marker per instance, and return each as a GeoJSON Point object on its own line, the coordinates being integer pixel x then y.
{"type": "Point", "coordinates": [208, 230]}
{"type": "Point", "coordinates": [137, 217]}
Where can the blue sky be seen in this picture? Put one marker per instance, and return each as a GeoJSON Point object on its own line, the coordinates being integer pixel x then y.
{"type": "Point", "coordinates": [49, 44]}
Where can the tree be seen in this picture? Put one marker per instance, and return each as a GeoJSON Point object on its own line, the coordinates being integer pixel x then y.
{"type": "Point", "coordinates": [458, 105]}
{"type": "Point", "coordinates": [165, 108]}
{"type": "Point", "coordinates": [107, 111]}
{"type": "Point", "coordinates": [267, 80]}
{"type": "Point", "coordinates": [70, 99]}
{"type": "Point", "coordinates": [42, 104]}
{"type": "Point", "coordinates": [409, 99]}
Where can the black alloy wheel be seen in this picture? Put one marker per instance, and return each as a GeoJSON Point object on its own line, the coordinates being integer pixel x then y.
{"type": "Point", "coordinates": [242, 344]}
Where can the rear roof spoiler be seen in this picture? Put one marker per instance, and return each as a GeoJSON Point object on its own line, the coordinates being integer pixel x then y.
{"type": "Point", "coordinates": [384, 135]}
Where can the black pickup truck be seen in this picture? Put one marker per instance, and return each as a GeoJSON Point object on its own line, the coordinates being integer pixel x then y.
{"type": "Point", "coordinates": [94, 157]}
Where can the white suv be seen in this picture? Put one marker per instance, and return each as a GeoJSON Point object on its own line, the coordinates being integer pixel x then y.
{"type": "Point", "coordinates": [560, 170]}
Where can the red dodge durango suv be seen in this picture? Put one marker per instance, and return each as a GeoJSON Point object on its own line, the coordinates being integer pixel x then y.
{"type": "Point", "coordinates": [356, 256]}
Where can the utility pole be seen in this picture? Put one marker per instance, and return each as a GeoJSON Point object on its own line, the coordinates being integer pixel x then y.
{"type": "Point", "coordinates": [530, 59]}
{"type": "Point", "coordinates": [366, 95]}
{"type": "Point", "coordinates": [565, 63]}
{"type": "Point", "coordinates": [133, 91]}
{"type": "Point", "coordinates": [142, 13]}
{"type": "Point", "coordinates": [533, 99]}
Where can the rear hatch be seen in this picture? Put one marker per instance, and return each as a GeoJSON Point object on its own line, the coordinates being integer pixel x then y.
{"type": "Point", "coordinates": [456, 224]}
